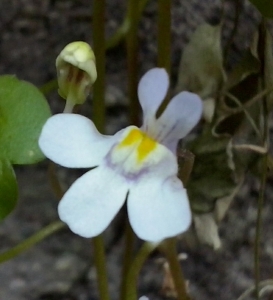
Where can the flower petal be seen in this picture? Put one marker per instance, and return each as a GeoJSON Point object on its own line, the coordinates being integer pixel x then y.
{"type": "Point", "coordinates": [92, 201]}
{"type": "Point", "coordinates": [152, 90]}
{"type": "Point", "coordinates": [159, 209]}
{"type": "Point", "coordinates": [181, 115]}
{"type": "Point", "coordinates": [73, 141]}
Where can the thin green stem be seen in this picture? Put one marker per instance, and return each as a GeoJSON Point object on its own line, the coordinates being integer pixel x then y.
{"type": "Point", "coordinates": [259, 227]}
{"type": "Point", "coordinates": [132, 62]}
{"type": "Point", "coordinates": [164, 42]}
{"type": "Point", "coordinates": [169, 248]}
{"type": "Point", "coordinates": [54, 181]}
{"type": "Point", "coordinates": [247, 114]}
{"type": "Point", "coordinates": [99, 51]}
{"type": "Point", "coordinates": [31, 241]}
{"type": "Point", "coordinates": [100, 264]}
{"type": "Point", "coordinates": [119, 35]}
{"type": "Point", "coordinates": [127, 257]}
{"type": "Point", "coordinates": [263, 286]}
{"type": "Point", "coordinates": [69, 106]}
{"type": "Point", "coordinates": [240, 107]}
{"type": "Point", "coordinates": [164, 34]}
{"type": "Point", "coordinates": [185, 160]}
{"type": "Point", "coordinates": [49, 86]}
{"type": "Point", "coordinates": [265, 132]}
{"type": "Point", "coordinates": [132, 276]}
{"type": "Point", "coordinates": [124, 29]}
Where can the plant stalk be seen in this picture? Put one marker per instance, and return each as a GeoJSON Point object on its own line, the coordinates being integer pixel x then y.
{"type": "Point", "coordinates": [132, 62]}
{"type": "Point", "coordinates": [164, 43]}
{"type": "Point", "coordinates": [100, 264]}
{"type": "Point", "coordinates": [265, 133]}
{"type": "Point", "coordinates": [99, 51]}
{"type": "Point", "coordinates": [168, 247]}
{"type": "Point", "coordinates": [31, 241]}
{"type": "Point", "coordinates": [127, 257]}
{"type": "Point", "coordinates": [132, 276]}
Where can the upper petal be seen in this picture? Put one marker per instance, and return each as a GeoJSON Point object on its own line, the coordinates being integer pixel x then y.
{"type": "Point", "coordinates": [181, 115]}
{"type": "Point", "coordinates": [93, 201]}
{"type": "Point", "coordinates": [159, 209]}
{"type": "Point", "coordinates": [73, 141]}
{"type": "Point", "coordinates": [152, 90]}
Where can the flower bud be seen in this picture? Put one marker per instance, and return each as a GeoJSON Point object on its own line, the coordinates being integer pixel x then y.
{"type": "Point", "coordinates": [76, 71]}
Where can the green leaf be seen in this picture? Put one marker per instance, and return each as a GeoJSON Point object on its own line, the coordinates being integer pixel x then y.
{"type": "Point", "coordinates": [23, 112]}
{"type": "Point", "coordinates": [242, 84]}
{"type": "Point", "coordinates": [212, 176]}
{"type": "Point", "coordinates": [248, 66]}
{"type": "Point", "coordinates": [201, 67]}
{"type": "Point", "coordinates": [264, 6]}
{"type": "Point", "coordinates": [8, 188]}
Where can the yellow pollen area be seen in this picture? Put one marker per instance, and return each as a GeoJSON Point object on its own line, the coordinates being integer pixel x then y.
{"type": "Point", "coordinates": [133, 137]}
{"type": "Point", "coordinates": [145, 144]}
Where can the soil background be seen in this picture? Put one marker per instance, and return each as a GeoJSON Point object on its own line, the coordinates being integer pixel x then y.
{"type": "Point", "coordinates": [32, 33]}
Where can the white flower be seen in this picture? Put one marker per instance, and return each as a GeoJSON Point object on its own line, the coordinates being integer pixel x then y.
{"type": "Point", "coordinates": [136, 163]}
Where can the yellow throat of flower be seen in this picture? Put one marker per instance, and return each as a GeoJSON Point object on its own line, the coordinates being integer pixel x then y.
{"type": "Point", "coordinates": [144, 144]}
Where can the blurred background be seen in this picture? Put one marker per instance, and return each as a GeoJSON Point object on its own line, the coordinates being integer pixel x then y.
{"type": "Point", "coordinates": [32, 33]}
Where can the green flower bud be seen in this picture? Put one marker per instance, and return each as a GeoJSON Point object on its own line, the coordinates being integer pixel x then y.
{"type": "Point", "coordinates": [76, 71]}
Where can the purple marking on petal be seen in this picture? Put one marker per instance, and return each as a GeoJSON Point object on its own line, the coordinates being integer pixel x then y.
{"type": "Point", "coordinates": [124, 163]}
{"type": "Point", "coordinates": [162, 135]}
{"type": "Point", "coordinates": [131, 176]}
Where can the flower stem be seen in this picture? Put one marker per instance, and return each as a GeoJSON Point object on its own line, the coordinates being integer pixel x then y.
{"type": "Point", "coordinates": [31, 241]}
{"type": "Point", "coordinates": [100, 264]}
{"type": "Point", "coordinates": [49, 86]}
{"type": "Point", "coordinates": [164, 34]}
{"type": "Point", "coordinates": [127, 257]}
{"type": "Point", "coordinates": [132, 276]}
{"type": "Point", "coordinates": [69, 106]}
{"type": "Point", "coordinates": [259, 220]}
{"type": "Point", "coordinates": [132, 62]}
{"type": "Point", "coordinates": [123, 30]}
{"type": "Point", "coordinates": [265, 134]}
{"type": "Point", "coordinates": [169, 248]}
{"type": "Point", "coordinates": [99, 51]}
{"type": "Point", "coordinates": [164, 43]}
{"type": "Point", "coordinates": [185, 160]}
{"type": "Point", "coordinates": [54, 181]}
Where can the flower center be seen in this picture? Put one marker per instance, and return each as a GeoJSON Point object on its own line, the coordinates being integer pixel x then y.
{"type": "Point", "coordinates": [135, 153]}
{"type": "Point", "coordinates": [143, 144]}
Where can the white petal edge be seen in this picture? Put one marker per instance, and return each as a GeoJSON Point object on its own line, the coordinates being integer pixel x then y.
{"type": "Point", "coordinates": [152, 90]}
{"type": "Point", "coordinates": [73, 141]}
{"type": "Point", "coordinates": [159, 209]}
{"type": "Point", "coordinates": [180, 116]}
{"type": "Point", "coordinates": [92, 201]}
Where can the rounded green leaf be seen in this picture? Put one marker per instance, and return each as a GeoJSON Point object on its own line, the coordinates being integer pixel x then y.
{"type": "Point", "coordinates": [8, 188]}
{"type": "Point", "coordinates": [264, 6]}
{"type": "Point", "coordinates": [201, 67]}
{"type": "Point", "coordinates": [23, 112]}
